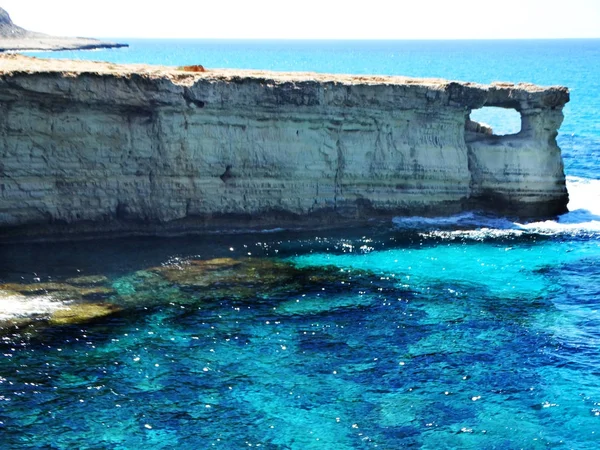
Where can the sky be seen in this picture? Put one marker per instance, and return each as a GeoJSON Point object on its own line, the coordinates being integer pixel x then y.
{"type": "Point", "coordinates": [310, 19]}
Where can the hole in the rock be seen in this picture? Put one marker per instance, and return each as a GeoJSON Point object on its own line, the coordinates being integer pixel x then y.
{"type": "Point", "coordinates": [502, 121]}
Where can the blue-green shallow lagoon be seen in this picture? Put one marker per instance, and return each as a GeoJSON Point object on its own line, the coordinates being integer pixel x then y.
{"type": "Point", "coordinates": [433, 336]}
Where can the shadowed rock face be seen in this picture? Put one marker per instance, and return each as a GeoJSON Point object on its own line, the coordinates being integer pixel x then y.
{"type": "Point", "coordinates": [8, 28]}
{"type": "Point", "coordinates": [99, 147]}
{"type": "Point", "coordinates": [4, 18]}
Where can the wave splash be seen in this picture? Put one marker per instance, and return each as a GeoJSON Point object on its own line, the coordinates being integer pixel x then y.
{"type": "Point", "coordinates": [13, 305]}
{"type": "Point", "coordinates": [583, 218]}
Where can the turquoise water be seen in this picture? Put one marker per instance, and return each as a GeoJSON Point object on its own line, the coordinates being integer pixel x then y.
{"type": "Point", "coordinates": [468, 331]}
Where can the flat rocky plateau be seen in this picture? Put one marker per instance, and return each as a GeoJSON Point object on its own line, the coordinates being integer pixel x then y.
{"type": "Point", "coordinates": [14, 63]}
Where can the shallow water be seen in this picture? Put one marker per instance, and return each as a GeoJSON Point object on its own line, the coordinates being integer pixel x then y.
{"type": "Point", "coordinates": [431, 336]}
{"type": "Point", "coordinates": [470, 331]}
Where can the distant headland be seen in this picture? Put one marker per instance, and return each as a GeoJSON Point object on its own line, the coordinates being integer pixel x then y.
{"type": "Point", "coordinates": [15, 38]}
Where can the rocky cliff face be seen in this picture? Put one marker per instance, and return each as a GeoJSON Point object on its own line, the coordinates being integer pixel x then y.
{"type": "Point", "coordinates": [7, 28]}
{"type": "Point", "coordinates": [88, 146]}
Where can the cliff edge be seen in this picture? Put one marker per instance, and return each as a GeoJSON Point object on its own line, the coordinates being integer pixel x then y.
{"type": "Point", "coordinates": [99, 147]}
{"type": "Point", "coordinates": [15, 38]}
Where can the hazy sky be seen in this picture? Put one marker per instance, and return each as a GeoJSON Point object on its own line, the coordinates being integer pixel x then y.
{"type": "Point", "coordinates": [311, 19]}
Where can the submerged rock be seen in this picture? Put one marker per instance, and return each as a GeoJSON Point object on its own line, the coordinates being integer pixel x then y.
{"type": "Point", "coordinates": [228, 272]}
{"type": "Point", "coordinates": [38, 304]}
{"type": "Point", "coordinates": [62, 291]}
{"type": "Point", "coordinates": [315, 304]}
{"type": "Point", "coordinates": [35, 312]}
{"type": "Point", "coordinates": [38, 288]}
{"type": "Point", "coordinates": [87, 280]}
{"type": "Point", "coordinates": [34, 315]}
{"type": "Point", "coordinates": [16, 308]}
{"type": "Point", "coordinates": [257, 280]}
{"type": "Point", "coordinates": [95, 292]}
{"type": "Point", "coordinates": [82, 313]}
{"type": "Point", "coordinates": [194, 282]}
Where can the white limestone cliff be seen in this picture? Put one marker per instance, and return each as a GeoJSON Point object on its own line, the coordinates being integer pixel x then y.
{"type": "Point", "coordinates": [100, 147]}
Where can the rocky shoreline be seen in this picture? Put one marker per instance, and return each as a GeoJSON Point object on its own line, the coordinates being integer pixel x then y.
{"type": "Point", "coordinates": [51, 43]}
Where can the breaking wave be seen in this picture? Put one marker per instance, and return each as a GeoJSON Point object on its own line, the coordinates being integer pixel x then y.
{"type": "Point", "coordinates": [583, 218]}
{"type": "Point", "coordinates": [15, 305]}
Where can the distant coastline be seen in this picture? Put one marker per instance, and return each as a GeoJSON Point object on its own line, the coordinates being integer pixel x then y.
{"type": "Point", "coordinates": [15, 39]}
{"type": "Point", "coordinates": [52, 43]}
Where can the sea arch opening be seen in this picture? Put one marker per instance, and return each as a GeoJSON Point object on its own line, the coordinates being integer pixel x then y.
{"type": "Point", "coordinates": [495, 120]}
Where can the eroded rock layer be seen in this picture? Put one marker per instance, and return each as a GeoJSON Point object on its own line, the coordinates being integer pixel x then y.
{"type": "Point", "coordinates": [96, 146]}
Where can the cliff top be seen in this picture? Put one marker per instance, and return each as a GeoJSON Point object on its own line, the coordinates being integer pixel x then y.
{"type": "Point", "coordinates": [11, 63]}
{"type": "Point", "coordinates": [522, 96]}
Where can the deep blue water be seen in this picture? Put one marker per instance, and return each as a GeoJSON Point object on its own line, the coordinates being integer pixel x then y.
{"type": "Point", "coordinates": [461, 332]}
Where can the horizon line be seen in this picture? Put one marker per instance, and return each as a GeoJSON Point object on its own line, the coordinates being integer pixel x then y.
{"type": "Point", "coordinates": [349, 39]}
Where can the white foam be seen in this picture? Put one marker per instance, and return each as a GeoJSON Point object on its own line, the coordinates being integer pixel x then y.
{"type": "Point", "coordinates": [476, 235]}
{"type": "Point", "coordinates": [468, 219]}
{"type": "Point", "coordinates": [272, 230]}
{"type": "Point", "coordinates": [584, 210]}
{"type": "Point", "coordinates": [16, 305]}
{"type": "Point", "coordinates": [584, 193]}
{"type": "Point", "coordinates": [583, 218]}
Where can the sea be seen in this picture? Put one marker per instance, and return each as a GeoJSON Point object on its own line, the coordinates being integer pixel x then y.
{"type": "Point", "coordinates": [468, 331]}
